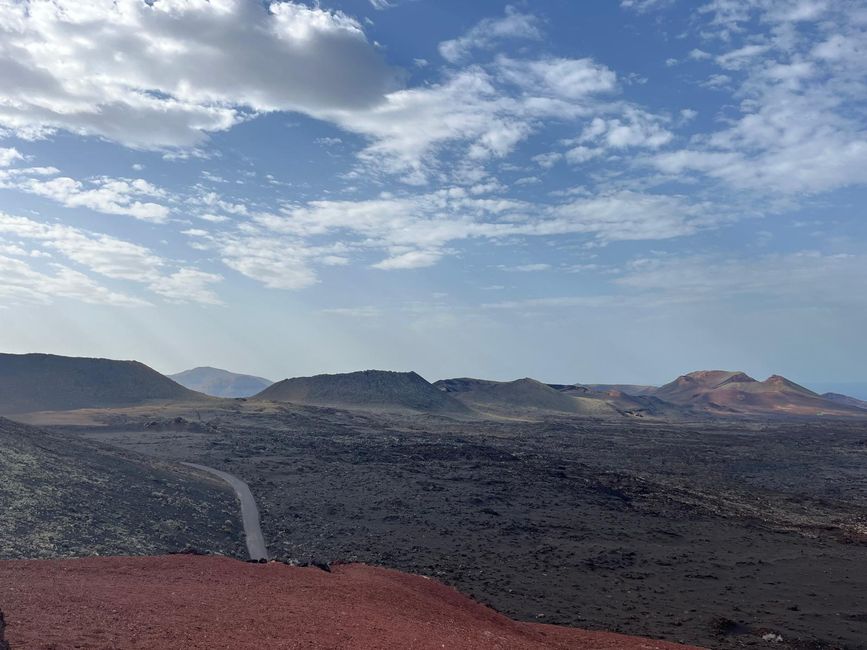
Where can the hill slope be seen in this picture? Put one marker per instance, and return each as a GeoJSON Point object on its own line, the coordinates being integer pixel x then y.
{"type": "Point", "coordinates": [724, 392]}
{"type": "Point", "coordinates": [522, 396]}
{"type": "Point", "coordinates": [628, 389]}
{"type": "Point", "coordinates": [366, 389]}
{"type": "Point", "coordinates": [46, 382]}
{"type": "Point", "coordinates": [220, 383]}
{"type": "Point", "coordinates": [633, 404]}
{"type": "Point", "coordinates": [856, 389]}
{"type": "Point", "coordinates": [215, 602]}
{"type": "Point", "coordinates": [64, 496]}
{"type": "Point", "coordinates": [846, 400]}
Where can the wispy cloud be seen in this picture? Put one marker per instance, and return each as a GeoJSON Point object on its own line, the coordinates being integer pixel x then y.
{"type": "Point", "coordinates": [490, 31]}
{"type": "Point", "coordinates": [113, 258]}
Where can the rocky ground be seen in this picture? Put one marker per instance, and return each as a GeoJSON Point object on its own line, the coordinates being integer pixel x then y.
{"type": "Point", "coordinates": [61, 496]}
{"type": "Point", "coordinates": [718, 534]}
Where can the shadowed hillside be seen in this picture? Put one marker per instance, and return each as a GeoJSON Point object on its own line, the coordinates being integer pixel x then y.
{"type": "Point", "coordinates": [628, 389]}
{"type": "Point", "coordinates": [522, 396]}
{"type": "Point", "coordinates": [846, 400]}
{"type": "Point", "coordinates": [367, 389]}
{"type": "Point", "coordinates": [63, 496]}
{"type": "Point", "coordinates": [221, 383]}
{"type": "Point", "coordinates": [46, 382]}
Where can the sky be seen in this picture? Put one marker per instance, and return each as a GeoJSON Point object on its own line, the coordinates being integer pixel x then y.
{"type": "Point", "coordinates": [595, 191]}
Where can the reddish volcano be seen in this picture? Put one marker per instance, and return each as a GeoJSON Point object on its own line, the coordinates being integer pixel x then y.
{"type": "Point", "coordinates": [723, 392]}
{"type": "Point", "coordinates": [213, 602]}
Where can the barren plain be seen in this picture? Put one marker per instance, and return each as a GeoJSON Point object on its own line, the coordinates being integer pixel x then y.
{"type": "Point", "coordinates": [722, 534]}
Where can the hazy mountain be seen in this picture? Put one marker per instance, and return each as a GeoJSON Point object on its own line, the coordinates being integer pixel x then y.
{"type": "Point", "coordinates": [692, 386]}
{"type": "Point", "coordinates": [46, 382]}
{"type": "Point", "coordinates": [846, 400]}
{"type": "Point", "coordinates": [721, 392]}
{"type": "Point", "coordinates": [221, 383]}
{"type": "Point", "coordinates": [367, 389]}
{"type": "Point", "coordinates": [629, 389]}
{"type": "Point", "coordinates": [856, 389]}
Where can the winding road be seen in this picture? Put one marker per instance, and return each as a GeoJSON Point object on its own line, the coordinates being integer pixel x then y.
{"type": "Point", "coordinates": [249, 512]}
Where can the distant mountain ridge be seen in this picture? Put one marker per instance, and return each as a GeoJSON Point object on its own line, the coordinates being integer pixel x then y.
{"type": "Point", "coordinates": [725, 392]}
{"type": "Point", "coordinates": [366, 390]}
{"type": "Point", "coordinates": [845, 399]}
{"type": "Point", "coordinates": [43, 382]}
{"type": "Point", "coordinates": [635, 390]}
{"type": "Point", "coordinates": [221, 383]}
{"type": "Point", "coordinates": [520, 397]}
{"type": "Point", "coordinates": [856, 389]}
{"type": "Point", "coordinates": [47, 382]}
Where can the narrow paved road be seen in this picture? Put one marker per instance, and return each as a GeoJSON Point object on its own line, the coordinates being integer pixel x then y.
{"type": "Point", "coordinates": [249, 512]}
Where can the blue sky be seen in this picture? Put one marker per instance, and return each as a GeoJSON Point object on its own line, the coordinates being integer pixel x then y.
{"type": "Point", "coordinates": [576, 191]}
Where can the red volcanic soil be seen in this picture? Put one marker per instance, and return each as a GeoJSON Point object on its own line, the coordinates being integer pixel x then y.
{"type": "Point", "coordinates": [212, 602]}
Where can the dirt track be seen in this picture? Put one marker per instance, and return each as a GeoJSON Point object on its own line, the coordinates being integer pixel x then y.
{"type": "Point", "coordinates": [256, 546]}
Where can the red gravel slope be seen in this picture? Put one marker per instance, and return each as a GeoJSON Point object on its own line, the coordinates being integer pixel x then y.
{"type": "Point", "coordinates": [214, 602]}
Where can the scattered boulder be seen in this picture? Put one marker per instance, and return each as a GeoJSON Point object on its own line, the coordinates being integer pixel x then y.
{"type": "Point", "coordinates": [322, 565]}
{"type": "Point", "coordinates": [4, 645]}
{"type": "Point", "coordinates": [724, 626]}
{"type": "Point", "coordinates": [188, 550]}
{"type": "Point", "coordinates": [178, 424]}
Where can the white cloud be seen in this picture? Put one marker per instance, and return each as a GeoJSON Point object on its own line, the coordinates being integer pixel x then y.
{"type": "Point", "coordinates": [547, 160]}
{"type": "Point", "coordinates": [568, 79]}
{"type": "Point", "coordinates": [514, 25]}
{"type": "Point", "coordinates": [9, 156]}
{"type": "Point", "coordinates": [581, 154]}
{"type": "Point", "coordinates": [729, 16]}
{"type": "Point", "coordinates": [627, 215]}
{"type": "Point", "coordinates": [741, 57]}
{"type": "Point", "coordinates": [528, 268]}
{"type": "Point", "coordinates": [113, 258]}
{"type": "Point", "coordinates": [166, 73]}
{"type": "Point", "coordinates": [476, 113]}
{"type": "Point", "coordinates": [717, 81]}
{"type": "Point", "coordinates": [642, 6]}
{"type": "Point", "coordinates": [776, 281]}
{"type": "Point", "coordinates": [409, 260]}
{"type": "Point", "coordinates": [354, 312]}
{"type": "Point", "coordinates": [798, 81]}
{"type": "Point", "coordinates": [23, 284]}
{"type": "Point", "coordinates": [106, 195]}
{"type": "Point", "coordinates": [417, 230]}
{"type": "Point", "coordinates": [807, 277]}
{"type": "Point", "coordinates": [187, 285]}
{"type": "Point", "coordinates": [635, 128]}
{"type": "Point", "coordinates": [278, 263]}
{"type": "Point", "coordinates": [556, 302]}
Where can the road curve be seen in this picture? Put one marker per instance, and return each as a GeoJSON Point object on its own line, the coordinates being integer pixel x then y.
{"type": "Point", "coordinates": [249, 512]}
